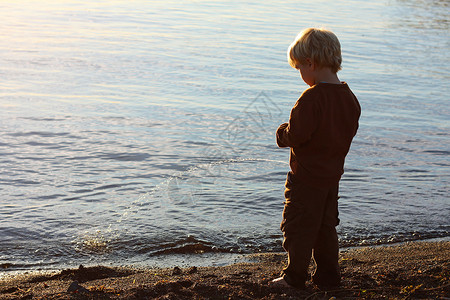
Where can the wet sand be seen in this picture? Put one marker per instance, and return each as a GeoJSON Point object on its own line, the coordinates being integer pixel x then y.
{"type": "Point", "coordinates": [411, 270]}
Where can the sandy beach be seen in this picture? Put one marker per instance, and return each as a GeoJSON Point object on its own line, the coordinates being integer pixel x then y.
{"type": "Point", "coordinates": [415, 270]}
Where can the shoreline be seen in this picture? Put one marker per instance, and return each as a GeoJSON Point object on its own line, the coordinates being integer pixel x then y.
{"type": "Point", "coordinates": [182, 260]}
{"type": "Point", "coordinates": [411, 269]}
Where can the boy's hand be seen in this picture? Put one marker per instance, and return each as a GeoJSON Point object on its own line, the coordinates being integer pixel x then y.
{"type": "Point", "coordinates": [280, 132]}
{"type": "Point", "coordinates": [282, 126]}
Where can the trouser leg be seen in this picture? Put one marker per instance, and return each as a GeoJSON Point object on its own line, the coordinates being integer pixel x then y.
{"type": "Point", "coordinates": [302, 220]}
{"type": "Point", "coordinates": [326, 247]}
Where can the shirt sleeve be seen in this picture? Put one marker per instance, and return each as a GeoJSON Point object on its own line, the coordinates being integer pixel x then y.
{"type": "Point", "coordinates": [302, 124]}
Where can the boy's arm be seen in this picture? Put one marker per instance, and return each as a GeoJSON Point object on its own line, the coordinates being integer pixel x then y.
{"type": "Point", "coordinates": [302, 124]}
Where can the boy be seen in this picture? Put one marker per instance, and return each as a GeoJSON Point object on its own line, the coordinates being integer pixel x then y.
{"type": "Point", "coordinates": [321, 127]}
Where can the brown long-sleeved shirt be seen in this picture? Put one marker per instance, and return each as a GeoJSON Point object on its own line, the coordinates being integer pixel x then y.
{"type": "Point", "coordinates": [321, 127]}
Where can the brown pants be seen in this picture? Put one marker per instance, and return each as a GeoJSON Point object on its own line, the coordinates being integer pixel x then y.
{"type": "Point", "coordinates": [310, 217]}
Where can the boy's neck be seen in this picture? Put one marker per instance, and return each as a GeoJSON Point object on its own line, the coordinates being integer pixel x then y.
{"type": "Point", "coordinates": [325, 75]}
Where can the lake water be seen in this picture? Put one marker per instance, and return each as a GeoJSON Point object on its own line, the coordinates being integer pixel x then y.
{"type": "Point", "coordinates": [143, 132]}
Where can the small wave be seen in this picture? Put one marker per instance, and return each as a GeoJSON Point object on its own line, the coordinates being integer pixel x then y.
{"type": "Point", "coordinates": [189, 245]}
{"type": "Point", "coordinates": [414, 171]}
{"type": "Point", "coordinates": [14, 267]}
{"type": "Point", "coordinates": [48, 197]}
{"type": "Point", "coordinates": [20, 182]}
{"type": "Point", "coordinates": [125, 156]}
{"type": "Point", "coordinates": [43, 119]}
{"type": "Point", "coordinates": [108, 186]}
{"type": "Point", "coordinates": [197, 143]}
{"type": "Point", "coordinates": [74, 198]}
{"type": "Point", "coordinates": [437, 152]}
{"type": "Point", "coordinates": [39, 144]}
{"type": "Point", "coordinates": [39, 134]}
{"type": "Point", "coordinates": [399, 237]}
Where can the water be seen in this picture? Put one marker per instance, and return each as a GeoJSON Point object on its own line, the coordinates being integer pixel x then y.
{"type": "Point", "coordinates": [126, 137]}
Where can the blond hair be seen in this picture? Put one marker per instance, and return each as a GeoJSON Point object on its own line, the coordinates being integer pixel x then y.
{"type": "Point", "coordinates": [318, 44]}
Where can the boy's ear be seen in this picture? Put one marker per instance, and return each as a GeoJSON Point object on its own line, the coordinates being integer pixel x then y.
{"type": "Point", "coordinates": [310, 63]}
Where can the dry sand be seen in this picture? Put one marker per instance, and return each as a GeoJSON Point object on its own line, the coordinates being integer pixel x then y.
{"type": "Point", "coordinates": [418, 270]}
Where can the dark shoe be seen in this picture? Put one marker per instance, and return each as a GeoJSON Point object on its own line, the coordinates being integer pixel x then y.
{"type": "Point", "coordinates": [279, 282]}
{"type": "Point", "coordinates": [296, 284]}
